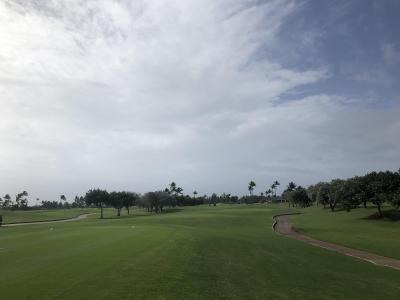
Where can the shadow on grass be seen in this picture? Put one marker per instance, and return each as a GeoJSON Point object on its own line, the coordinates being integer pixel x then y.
{"type": "Point", "coordinates": [388, 215]}
{"type": "Point", "coordinates": [143, 213]}
{"type": "Point", "coordinates": [171, 210]}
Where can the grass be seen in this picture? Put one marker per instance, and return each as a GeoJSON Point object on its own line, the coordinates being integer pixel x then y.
{"type": "Point", "coordinates": [10, 216]}
{"type": "Point", "coordinates": [223, 252]}
{"type": "Point", "coordinates": [358, 229]}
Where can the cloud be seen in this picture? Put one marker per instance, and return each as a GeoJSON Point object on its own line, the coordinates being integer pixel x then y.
{"type": "Point", "coordinates": [133, 95]}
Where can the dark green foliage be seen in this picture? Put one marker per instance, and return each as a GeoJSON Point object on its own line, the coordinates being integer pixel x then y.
{"type": "Point", "coordinates": [297, 196]}
{"type": "Point", "coordinates": [375, 187]}
{"type": "Point", "coordinates": [97, 197]}
{"type": "Point", "coordinates": [156, 201]}
{"type": "Point", "coordinates": [251, 187]}
{"type": "Point", "coordinates": [119, 200]}
{"type": "Point", "coordinates": [21, 202]}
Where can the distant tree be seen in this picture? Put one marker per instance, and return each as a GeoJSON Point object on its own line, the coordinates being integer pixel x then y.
{"type": "Point", "coordinates": [97, 197]}
{"type": "Point", "coordinates": [382, 188]}
{"type": "Point", "coordinates": [291, 186]}
{"type": "Point", "coordinates": [129, 200]}
{"type": "Point", "coordinates": [63, 198]}
{"type": "Point", "coordinates": [300, 197]}
{"type": "Point", "coordinates": [214, 199]}
{"type": "Point", "coordinates": [335, 193]}
{"type": "Point", "coordinates": [179, 191]}
{"type": "Point", "coordinates": [323, 194]}
{"type": "Point", "coordinates": [274, 187]}
{"type": "Point", "coordinates": [251, 187]}
{"type": "Point", "coordinates": [194, 194]}
{"type": "Point", "coordinates": [79, 201]}
{"type": "Point", "coordinates": [172, 187]}
{"type": "Point", "coordinates": [268, 193]}
{"type": "Point", "coordinates": [395, 199]}
{"type": "Point", "coordinates": [287, 194]}
{"type": "Point", "coordinates": [21, 200]}
{"type": "Point", "coordinates": [116, 201]}
{"type": "Point", "coordinates": [157, 200]}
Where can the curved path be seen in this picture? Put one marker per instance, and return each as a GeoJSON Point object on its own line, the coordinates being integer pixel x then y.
{"type": "Point", "coordinates": [77, 218]}
{"type": "Point", "coordinates": [281, 225]}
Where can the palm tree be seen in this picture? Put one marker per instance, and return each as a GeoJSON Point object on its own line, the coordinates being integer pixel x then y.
{"type": "Point", "coordinates": [178, 190]}
{"type": "Point", "coordinates": [291, 186]}
{"type": "Point", "coordinates": [274, 186]}
{"type": "Point", "coordinates": [194, 194]}
{"type": "Point", "coordinates": [7, 200]}
{"type": "Point", "coordinates": [268, 193]}
{"type": "Point", "coordinates": [251, 187]}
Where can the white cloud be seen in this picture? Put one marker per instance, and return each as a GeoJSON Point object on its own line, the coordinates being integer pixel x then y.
{"type": "Point", "coordinates": [122, 94]}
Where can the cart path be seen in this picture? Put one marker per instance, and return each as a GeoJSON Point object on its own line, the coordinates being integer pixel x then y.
{"type": "Point", "coordinates": [77, 218]}
{"type": "Point", "coordinates": [282, 225]}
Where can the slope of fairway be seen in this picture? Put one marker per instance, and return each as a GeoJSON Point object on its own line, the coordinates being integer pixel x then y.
{"type": "Point", "coordinates": [15, 216]}
{"type": "Point", "coordinates": [223, 252]}
{"type": "Point", "coordinates": [352, 229]}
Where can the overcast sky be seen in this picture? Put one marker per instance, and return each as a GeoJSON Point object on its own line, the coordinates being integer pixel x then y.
{"type": "Point", "coordinates": [210, 94]}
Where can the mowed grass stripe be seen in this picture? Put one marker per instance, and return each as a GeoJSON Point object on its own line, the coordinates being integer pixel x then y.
{"type": "Point", "coordinates": [223, 252]}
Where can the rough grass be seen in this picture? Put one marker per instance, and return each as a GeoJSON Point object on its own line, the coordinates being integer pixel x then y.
{"type": "Point", "coordinates": [10, 216]}
{"type": "Point", "coordinates": [223, 252]}
{"type": "Point", "coordinates": [360, 229]}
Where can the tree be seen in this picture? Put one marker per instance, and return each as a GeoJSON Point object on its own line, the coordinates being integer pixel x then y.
{"type": "Point", "coordinates": [288, 192]}
{"type": "Point", "coordinates": [274, 187]}
{"type": "Point", "coordinates": [157, 200]}
{"type": "Point", "coordinates": [194, 194]}
{"type": "Point", "coordinates": [21, 200]}
{"type": "Point", "coordinates": [172, 187]}
{"type": "Point", "coordinates": [129, 200]}
{"type": "Point", "coordinates": [300, 197]}
{"type": "Point", "coordinates": [251, 187]}
{"type": "Point", "coordinates": [383, 187]}
{"type": "Point", "coordinates": [291, 186]}
{"type": "Point", "coordinates": [179, 191]}
{"type": "Point", "coordinates": [97, 197]}
{"type": "Point", "coordinates": [79, 201]}
{"type": "Point", "coordinates": [213, 199]}
{"type": "Point", "coordinates": [395, 199]}
{"type": "Point", "coordinates": [323, 194]}
{"type": "Point", "coordinates": [116, 201]}
{"type": "Point", "coordinates": [63, 198]}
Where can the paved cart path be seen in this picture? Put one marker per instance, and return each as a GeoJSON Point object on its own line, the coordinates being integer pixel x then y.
{"type": "Point", "coordinates": [77, 218]}
{"type": "Point", "coordinates": [282, 225]}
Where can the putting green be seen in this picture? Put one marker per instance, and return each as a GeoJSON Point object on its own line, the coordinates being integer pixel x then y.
{"type": "Point", "coordinates": [223, 252]}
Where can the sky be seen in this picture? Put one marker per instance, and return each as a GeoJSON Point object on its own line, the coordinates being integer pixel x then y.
{"type": "Point", "coordinates": [131, 95]}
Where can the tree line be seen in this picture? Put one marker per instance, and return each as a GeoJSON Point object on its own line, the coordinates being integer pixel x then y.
{"type": "Point", "coordinates": [376, 188]}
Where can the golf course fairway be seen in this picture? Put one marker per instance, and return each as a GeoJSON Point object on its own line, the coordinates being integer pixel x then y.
{"type": "Point", "coordinates": [203, 252]}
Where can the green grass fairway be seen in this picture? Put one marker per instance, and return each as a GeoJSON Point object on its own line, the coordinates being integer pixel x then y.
{"type": "Point", "coordinates": [223, 252]}
{"type": "Point", "coordinates": [10, 216]}
{"type": "Point", "coordinates": [351, 229]}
